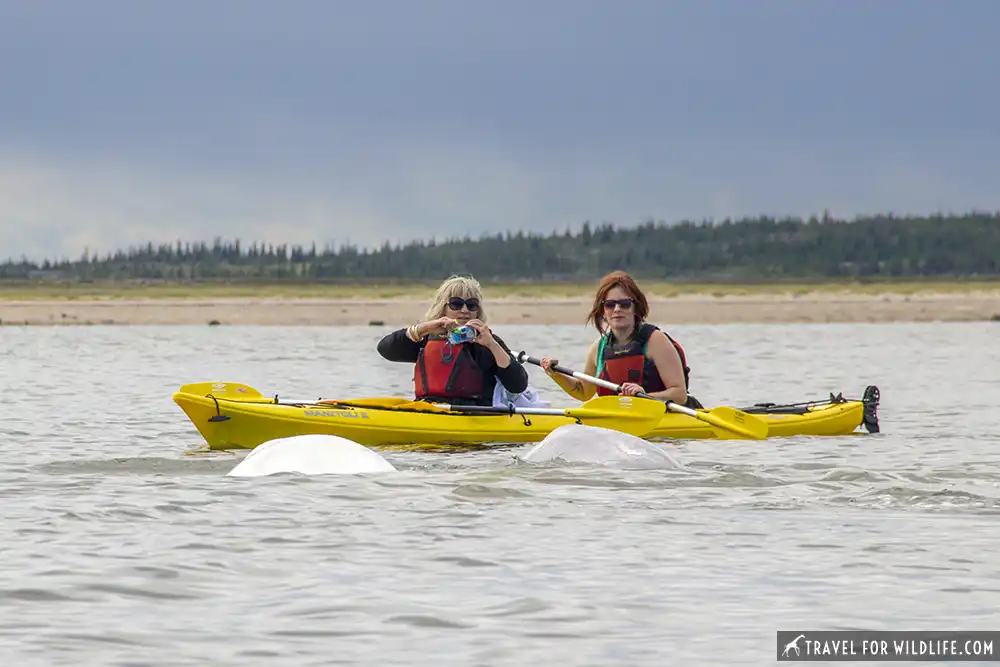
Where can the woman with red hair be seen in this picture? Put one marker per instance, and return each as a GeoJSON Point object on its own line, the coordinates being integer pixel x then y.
{"type": "Point", "coordinates": [629, 352]}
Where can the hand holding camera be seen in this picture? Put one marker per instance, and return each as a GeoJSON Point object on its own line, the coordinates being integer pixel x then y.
{"type": "Point", "coordinates": [462, 334]}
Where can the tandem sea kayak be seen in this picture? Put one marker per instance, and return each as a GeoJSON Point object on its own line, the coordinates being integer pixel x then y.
{"type": "Point", "coordinates": [230, 415]}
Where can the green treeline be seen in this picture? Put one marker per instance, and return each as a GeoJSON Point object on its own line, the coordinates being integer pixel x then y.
{"type": "Point", "coordinates": [760, 248]}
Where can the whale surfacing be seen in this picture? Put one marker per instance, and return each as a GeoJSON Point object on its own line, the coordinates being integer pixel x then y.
{"type": "Point", "coordinates": [310, 455]}
{"type": "Point", "coordinates": [577, 443]}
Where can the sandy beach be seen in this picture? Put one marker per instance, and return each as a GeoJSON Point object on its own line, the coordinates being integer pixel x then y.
{"type": "Point", "coordinates": [698, 308]}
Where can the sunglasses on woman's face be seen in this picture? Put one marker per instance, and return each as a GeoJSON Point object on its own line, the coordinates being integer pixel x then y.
{"type": "Point", "coordinates": [457, 304]}
{"type": "Point", "coordinates": [609, 304]}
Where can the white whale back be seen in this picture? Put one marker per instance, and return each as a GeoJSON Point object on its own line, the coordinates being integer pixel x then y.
{"type": "Point", "coordinates": [310, 455]}
{"type": "Point", "coordinates": [577, 443]}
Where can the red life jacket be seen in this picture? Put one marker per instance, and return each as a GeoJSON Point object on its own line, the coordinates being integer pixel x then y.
{"type": "Point", "coordinates": [447, 370]}
{"type": "Point", "coordinates": [629, 363]}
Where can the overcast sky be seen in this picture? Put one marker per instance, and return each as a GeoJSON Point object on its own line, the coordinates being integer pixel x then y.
{"type": "Point", "coordinates": [294, 121]}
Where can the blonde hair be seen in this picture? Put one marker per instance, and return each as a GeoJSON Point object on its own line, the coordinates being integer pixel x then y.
{"type": "Point", "coordinates": [464, 287]}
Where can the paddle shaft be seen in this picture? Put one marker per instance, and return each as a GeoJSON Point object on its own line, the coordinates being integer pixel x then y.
{"type": "Point", "coordinates": [573, 413]}
{"type": "Point", "coordinates": [523, 356]}
{"type": "Point", "coordinates": [500, 410]}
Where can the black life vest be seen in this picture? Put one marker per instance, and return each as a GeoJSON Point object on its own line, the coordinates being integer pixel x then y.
{"type": "Point", "coordinates": [446, 370]}
{"type": "Point", "coordinates": [629, 363]}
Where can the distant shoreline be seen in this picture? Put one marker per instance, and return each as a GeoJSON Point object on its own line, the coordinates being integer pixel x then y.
{"type": "Point", "coordinates": [559, 304]}
{"type": "Point", "coordinates": [56, 290]}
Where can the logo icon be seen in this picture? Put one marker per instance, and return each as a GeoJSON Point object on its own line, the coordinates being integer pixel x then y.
{"type": "Point", "coordinates": [792, 646]}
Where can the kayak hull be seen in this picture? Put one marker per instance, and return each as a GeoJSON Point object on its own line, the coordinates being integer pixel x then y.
{"type": "Point", "coordinates": [227, 423]}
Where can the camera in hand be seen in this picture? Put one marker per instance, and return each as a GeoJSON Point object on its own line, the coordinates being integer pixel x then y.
{"type": "Point", "coordinates": [462, 334]}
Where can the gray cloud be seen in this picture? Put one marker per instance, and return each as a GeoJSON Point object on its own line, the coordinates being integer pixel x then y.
{"type": "Point", "coordinates": [125, 122]}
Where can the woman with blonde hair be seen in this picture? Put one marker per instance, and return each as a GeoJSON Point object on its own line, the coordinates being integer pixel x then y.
{"type": "Point", "coordinates": [629, 352]}
{"type": "Point", "coordinates": [460, 373]}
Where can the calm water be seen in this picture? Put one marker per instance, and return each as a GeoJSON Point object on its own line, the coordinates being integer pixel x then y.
{"type": "Point", "coordinates": [118, 547]}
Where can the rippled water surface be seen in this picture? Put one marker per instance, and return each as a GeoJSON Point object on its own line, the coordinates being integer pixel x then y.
{"type": "Point", "coordinates": [120, 546]}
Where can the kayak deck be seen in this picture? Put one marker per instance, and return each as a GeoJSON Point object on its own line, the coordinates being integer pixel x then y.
{"type": "Point", "coordinates": [244, 419]}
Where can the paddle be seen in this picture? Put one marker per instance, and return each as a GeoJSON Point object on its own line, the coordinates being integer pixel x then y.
{"type": "Point", "coordinates": [618, 413]}
{"type": "Point", "coordinates": [727, 421]}
{"type": "Point", "coordinates": [240, 393]}
{"type": "Point", "coordinates": [234, 391]}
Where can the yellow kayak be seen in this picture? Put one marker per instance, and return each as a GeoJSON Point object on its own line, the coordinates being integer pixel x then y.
{"type": "Point", "coordinates": [230, 415]}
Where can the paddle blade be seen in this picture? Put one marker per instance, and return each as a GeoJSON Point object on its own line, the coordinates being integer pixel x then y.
{"type": "Point", "coordinates": [635, 416]}
{"type": "Point", "coordinates": [628, 404]}
{"type": "Point", "coordinates": [233, 391]}
{"type": "Point", "coordinates": [730, 422]}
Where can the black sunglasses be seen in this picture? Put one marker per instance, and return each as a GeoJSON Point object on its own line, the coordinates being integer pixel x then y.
{"type": "Point", "coordinates": [456, 303]}
{"type": "Point", "coordinates": [609, 304]}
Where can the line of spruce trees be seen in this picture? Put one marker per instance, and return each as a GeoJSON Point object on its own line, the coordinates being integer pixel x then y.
{"type": "Point", "coordinates": [762, 248]}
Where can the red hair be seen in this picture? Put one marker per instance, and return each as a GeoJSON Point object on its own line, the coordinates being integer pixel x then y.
{"type": "Point", "coordinates": [627, 283]}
